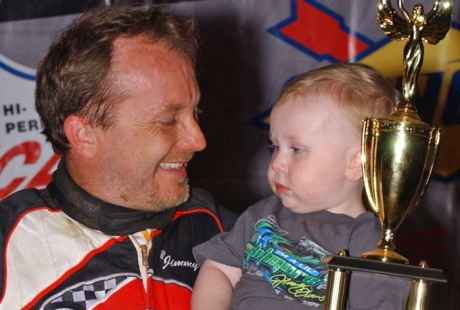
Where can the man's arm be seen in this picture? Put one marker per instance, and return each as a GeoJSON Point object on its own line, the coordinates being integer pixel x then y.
{"type": "Point", "coordinates": [214, 286]}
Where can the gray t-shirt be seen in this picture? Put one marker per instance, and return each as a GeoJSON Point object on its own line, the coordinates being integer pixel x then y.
{"type": "Point", "coordinates": [279, 253]}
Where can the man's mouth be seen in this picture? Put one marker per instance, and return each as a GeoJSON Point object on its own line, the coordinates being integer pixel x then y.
{"type": "Point", "coordinates": [172, 166]}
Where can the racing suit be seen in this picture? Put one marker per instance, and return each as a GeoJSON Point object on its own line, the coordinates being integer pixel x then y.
{"type": "Point", "coordinates": [65, 249]}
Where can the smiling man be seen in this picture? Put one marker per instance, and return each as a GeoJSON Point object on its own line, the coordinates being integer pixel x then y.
{"type": "Point", "coordinates": [115, 228]}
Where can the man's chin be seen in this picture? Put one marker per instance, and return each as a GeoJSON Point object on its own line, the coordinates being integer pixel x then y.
{"type": "Point", "coordinates": [174, 198]}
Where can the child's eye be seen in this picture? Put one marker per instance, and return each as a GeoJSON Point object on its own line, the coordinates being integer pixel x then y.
{"type": "Point", "coordinates": [297, 150]}
{"type": "Point", "coordinates": [272, 146]}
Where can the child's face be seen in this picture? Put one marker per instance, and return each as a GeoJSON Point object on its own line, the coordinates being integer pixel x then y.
{"type": "Point", "coordinates": [314, 145]}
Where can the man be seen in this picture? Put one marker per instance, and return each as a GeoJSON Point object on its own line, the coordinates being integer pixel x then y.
{"type": "Point", "coordinates": [114, 229]}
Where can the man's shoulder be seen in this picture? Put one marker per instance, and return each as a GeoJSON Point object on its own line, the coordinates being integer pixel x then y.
{"type": "Point", "coordinates": [17, 205]}
{"type": "Point", "coordinates": [23, 199]}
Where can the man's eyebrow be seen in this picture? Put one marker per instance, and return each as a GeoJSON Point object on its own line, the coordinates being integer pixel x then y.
{"type": "Point", "coordinates": [174, 106]}
{"type": "Point", "coordinates": [178, 106]}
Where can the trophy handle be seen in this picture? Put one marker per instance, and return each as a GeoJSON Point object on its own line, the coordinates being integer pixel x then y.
{"type": "Point", "coordinates": [366, 161]}
{"type": "Point", "coordinates": [430, 162]}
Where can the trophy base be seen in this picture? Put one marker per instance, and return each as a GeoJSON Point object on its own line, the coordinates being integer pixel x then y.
{"type": "Point", "coordinates": [385, 255]}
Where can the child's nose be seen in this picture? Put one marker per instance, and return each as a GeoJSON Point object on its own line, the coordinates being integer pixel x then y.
{"type": "Point", "coordinates": [278, 163]}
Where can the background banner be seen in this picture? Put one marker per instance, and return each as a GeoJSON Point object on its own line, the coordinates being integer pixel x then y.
{"type": "Point", "coordinates": [250, 49]}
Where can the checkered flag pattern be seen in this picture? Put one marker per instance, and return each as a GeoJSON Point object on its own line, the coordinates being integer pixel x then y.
{"type": "Point", "coordinates": [85, 296]}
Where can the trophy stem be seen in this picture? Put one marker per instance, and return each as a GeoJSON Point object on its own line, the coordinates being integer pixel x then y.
{"type": "Point", "coordinates": [407, 106]}
{"type": "Point", "coordinates": [386, 250]}
{"type": "Point", "coordinates": [406, 112]}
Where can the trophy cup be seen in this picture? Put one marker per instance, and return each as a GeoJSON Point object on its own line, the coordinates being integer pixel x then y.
{"type": "Point", "coordinates": [400, 151]}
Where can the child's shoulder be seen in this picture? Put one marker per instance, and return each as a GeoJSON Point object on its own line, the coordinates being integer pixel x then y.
{"type": "Point", "coordinates": [368, 218]}
{"type": "Point", "coordinates": [367, 226]}
{"type": "Point", "coordinates": [269, 206]}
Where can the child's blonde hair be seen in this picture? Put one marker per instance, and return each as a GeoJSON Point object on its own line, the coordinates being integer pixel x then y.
{"type": "Point", "coordinates": [360, 90]}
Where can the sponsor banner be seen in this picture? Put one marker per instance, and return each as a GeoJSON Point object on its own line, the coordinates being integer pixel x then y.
{"type": "Point", "coordinates": [25, 160]}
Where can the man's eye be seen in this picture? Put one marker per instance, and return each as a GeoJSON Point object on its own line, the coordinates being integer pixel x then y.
{"type": "Point", "coordinates": [167, 123]}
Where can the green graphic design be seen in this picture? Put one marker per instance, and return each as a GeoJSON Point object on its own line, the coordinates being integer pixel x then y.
{"type": "Point", "coordinates": [291, 267]}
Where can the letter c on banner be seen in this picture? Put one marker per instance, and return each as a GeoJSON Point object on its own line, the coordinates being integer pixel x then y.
{"type": "Point", "coordinates": [31, 151]}
{"type": "Point", "coordinates": [43, 177]}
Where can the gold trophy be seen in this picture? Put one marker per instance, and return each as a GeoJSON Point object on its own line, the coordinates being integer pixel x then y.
{"type": "Point", "coordinates": [400, 151]}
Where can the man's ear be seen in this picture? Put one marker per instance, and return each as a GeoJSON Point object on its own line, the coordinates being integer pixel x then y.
{"type": "Point", "coordinates": [354, 171]}
{"type": "Point", "coordinates": [81, 136]}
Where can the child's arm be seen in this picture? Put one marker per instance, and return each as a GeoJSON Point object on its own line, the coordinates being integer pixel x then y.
{"type": "Point", "coordinates": [214, 286]}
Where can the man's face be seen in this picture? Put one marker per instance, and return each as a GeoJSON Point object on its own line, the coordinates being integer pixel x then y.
{"type": "Point", "coordinates": [144, 154]}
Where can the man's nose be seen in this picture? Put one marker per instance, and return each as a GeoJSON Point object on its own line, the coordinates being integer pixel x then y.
{"type": "Point", "coordinates": [193, 137]}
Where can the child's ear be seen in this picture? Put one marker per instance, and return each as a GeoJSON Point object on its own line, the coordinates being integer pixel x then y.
{"type": "Point", "coordinates": [81, 136]}
{"type": "Point", "coordinates": [355, 172]}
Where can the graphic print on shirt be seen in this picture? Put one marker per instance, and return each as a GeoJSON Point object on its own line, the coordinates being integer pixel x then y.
{"type": "Point", "coordinates": [291, 267]}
